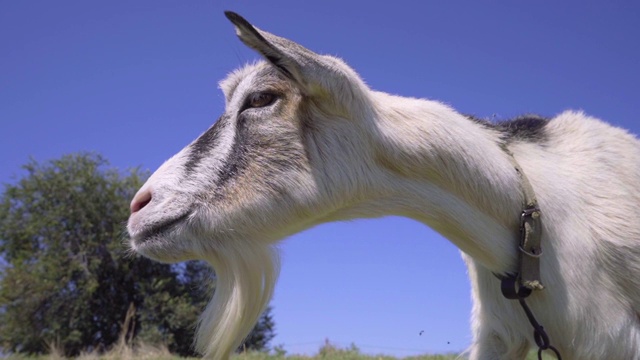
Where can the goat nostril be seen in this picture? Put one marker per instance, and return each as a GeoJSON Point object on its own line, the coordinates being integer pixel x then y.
{"type": "Point", "coordinates": [140, 200]}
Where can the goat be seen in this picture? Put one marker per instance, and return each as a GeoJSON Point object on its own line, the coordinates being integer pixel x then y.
{"type": "Point", "coordinates": [304, 141]}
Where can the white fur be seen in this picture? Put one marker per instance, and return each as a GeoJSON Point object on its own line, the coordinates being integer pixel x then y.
{"type": "Point", "coordinates": [370, 154]}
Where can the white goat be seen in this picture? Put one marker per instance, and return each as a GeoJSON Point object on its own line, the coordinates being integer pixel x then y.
{"type": "Point", "coordinates": [304, 141]}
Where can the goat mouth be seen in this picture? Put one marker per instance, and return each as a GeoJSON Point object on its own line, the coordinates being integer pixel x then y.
{"type": "Point", "coordinates": [159, 229]}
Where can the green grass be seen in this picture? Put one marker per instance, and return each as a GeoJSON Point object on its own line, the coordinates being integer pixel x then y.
{"type": "Point", "coordinates": [326, 352]}
{"type": "Point", "coordinates": [329, 351]}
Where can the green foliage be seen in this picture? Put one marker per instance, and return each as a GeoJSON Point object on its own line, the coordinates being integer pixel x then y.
{"type": "Point", "coordinates": [330, 351]}
{"type": "Point", "coordinates": [262, 334]}
{"type": "Point", "coordinates": [279, 351]}
{"type": "Point", "coordinates": [67, 277]}
{"type": "Point", "coordinates": [327, 351]}
{"type": "Point", "coordinates": [60, 231]}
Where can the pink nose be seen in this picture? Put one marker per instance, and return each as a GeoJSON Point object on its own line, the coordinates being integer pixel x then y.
{"type": "Point", "coordinates": [141, 200]}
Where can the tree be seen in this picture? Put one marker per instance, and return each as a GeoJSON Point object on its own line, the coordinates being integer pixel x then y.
{"type": "Point", "coordinates": [68, 278]}
{"type": "Point", "coordinates": [262, 333]}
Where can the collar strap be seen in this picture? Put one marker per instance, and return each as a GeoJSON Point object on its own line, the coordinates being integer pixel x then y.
{"type": "Point", "coordinates": [520, 285]}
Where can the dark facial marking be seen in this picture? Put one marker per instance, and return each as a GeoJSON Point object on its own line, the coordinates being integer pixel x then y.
{"type": "Point", "coordinates": [203, 145]}
{"type": "Point", "coordinates": [524, 128]}
{"type": "Point", "coordinates": [161, 228]}
{"type": "Point", "coordinates": [237, 158]}
{"type": "Point", "coordinates": [256, 147]}
{"type": "Point", "coordinates": [271, 155]}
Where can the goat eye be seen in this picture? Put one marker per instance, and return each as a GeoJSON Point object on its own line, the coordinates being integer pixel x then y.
{"type": "Point", "coordinates": [259, 100]}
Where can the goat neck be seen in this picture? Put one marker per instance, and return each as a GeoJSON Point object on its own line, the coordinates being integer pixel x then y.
{"type": "Point", "coordinates": [452, 174]}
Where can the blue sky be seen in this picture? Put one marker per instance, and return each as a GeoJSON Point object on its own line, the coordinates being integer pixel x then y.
{"type": "Point", "coordinates": [136, 81]}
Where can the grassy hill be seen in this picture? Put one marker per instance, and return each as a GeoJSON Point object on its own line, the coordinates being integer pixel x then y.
{"type": "Point", "coordinates": [326, 352]}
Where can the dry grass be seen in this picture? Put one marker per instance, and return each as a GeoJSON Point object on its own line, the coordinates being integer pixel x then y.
{"type": "Point", "coordinates": [121, 351]}
{"type": "Point", "coordinates": [146, 352]}
{"type": "Point", "coordinates": [126, 350]}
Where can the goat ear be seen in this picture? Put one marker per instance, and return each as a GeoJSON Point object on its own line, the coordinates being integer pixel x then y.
{"type": "Point", "coordinates": [285, 55]}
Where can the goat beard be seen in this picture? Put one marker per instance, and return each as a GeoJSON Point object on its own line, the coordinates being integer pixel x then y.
{"type": "Point", "coordinates": [245, 280]}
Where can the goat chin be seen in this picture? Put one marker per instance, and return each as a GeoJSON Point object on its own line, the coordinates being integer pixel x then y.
{"type": "Point", "coordinates": [245, 279]}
